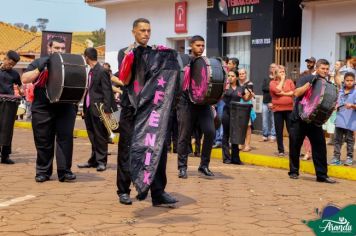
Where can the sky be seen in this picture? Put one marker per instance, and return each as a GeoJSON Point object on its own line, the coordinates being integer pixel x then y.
{"type": "Point", "coordinates": [63, 15]}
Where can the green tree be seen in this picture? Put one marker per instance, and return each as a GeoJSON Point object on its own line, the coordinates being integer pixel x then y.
{"type": "Point", "coordinates": [42, 23]}
{"type": "Point", "coordinates": [98, 37]}
{"type": "Point", "coordinates": [33, 29]}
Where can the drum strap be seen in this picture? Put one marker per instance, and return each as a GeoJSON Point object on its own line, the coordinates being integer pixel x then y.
{"type": "Point", "coordinates": [186, 81]}
{"type": "Point", "coordinates": [42, 80]}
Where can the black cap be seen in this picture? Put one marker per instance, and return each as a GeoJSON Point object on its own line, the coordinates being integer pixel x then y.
{"type": "Point", "coordinates": [311, 59]}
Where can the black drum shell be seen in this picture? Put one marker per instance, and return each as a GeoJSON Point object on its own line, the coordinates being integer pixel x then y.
{"type": "Point", "coordinates": [67, 78]}
{"type": "Point", "coordinates": [214, 86]}
{"type": "Point", "coordinates": [239, 119]}
{"type": "Point", "coordinates": [322, 111]}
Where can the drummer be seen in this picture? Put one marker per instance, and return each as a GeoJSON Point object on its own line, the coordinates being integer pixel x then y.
{"type": "Point", "coordinates": [52, 123]}
{"type": "Point", "coordinates": [9, 78]}
{"type": "Point", "coordinates": [233, 93]}
{"type": "Point", "coordinates": [189, 114]}
{"type": "Point", "coordinates": [299, 129]}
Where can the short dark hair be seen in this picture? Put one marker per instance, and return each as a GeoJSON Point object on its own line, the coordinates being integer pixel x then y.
{"type": "Point", "coordinates": [196, 38]}
{"type": "Point", "coordinates": [322, 62]}
{"type": "Point", "coordinates": [236, 72]}
{"type": "Point", "coordinates": [107, 64]}
{"type": "Point", "coordinates": [225, 59]}
{"type": "Point", "coordinates": [140, 20]}
{"type": "Point", "coordinates": [55, 39]}
{"type": "Point", "coordinates": [91, 53]}
{"type": "Point", "coordinates": [235, 61]}
{"type": "Point", "coordinates": [12, 55]}
{"type": "Point", "coordinates": [349, 74]}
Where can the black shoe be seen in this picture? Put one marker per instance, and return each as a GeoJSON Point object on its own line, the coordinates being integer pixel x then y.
{"type": "Point", "coordinates": [164, 199]}
{"type": "Point", "coordinates": [205, 171]}
{"type": "Point", "coordinates": [182, 174]}
{"type": "Point", "coordinates": [124, 198]}
{"type": "Point", "coordinates": [237, 162]}
{"type": "Point", "coordinates": [196, 154]}
{"type": "Point", "coordinates": [67, 177]}
{"type": "Point", "coordinates": [326, 180]}
{"type": "Point", "coordinates": [101, 167]}
{"type": "Point", "coordinates": [86, 165]}
{"type": "Point", "coordinates": [7, 161]}
{"type": "Point", "coordinates": [227, 161]}
{"type": "Point", "coordinates": [41, 178]}
{"type": "Point", "coordinates": [293, 176]}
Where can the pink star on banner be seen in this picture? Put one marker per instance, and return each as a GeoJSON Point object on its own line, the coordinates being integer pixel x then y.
{"type": "Point", "coordinates": [161, 82]}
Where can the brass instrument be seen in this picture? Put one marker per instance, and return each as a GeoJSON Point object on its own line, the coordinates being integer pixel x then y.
{"type": "Point", "coordinates": [110, 123]}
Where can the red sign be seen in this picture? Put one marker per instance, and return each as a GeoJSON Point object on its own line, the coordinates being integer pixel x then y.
{"type": "Point", "coordinates": [180, 17]}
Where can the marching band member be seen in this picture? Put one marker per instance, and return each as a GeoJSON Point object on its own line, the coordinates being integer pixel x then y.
{"type": "Point", "coordinates": [99, 93]}
{"type": "Point", "coordinates": [52, 123]}
{"type": "Point", "coordinates": [9, 78]}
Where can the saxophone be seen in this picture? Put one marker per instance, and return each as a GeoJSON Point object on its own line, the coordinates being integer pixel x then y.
{"type": "Point", "coordinates": [110, 123]}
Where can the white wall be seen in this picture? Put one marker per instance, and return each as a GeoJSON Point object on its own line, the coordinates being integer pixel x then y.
{"type": "Point", "coordinates": [321, 26]}
{"type": "Point", "coordinates": [119, 19]}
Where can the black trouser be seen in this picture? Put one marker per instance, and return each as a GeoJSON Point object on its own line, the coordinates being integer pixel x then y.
{"type": "Point", "coordinates": [98, 136]}
{"type": "Point", "coordinates": [123, 179]}
{"type": "Point", "coordinates": [188, 115]}
{"type": "Point", "coordinates": [172, 135]}
{"type": "Point", "coordinates": [53, 123]}
{"type": "Point", "coordinates": [235, 153]}
{"type": "Point", "coordinates": [5, 152]}
{"type": "Point", "coordinates": [298, 130]}
{"type": "Point", "coordinates": [279, 118]}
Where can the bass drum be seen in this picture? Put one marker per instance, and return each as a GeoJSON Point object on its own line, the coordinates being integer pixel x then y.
{"type": "Point", "coordinates": [207, 81]}
{"type": "Point", "coordinates": [67, 78]}
{"type": "Point", "coordinates": [318, 102]}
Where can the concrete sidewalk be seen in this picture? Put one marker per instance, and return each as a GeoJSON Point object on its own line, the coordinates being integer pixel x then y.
{"type": "Point", "coordinates": [262, 154]}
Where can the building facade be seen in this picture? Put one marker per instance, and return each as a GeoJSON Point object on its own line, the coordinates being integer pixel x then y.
{"type": "Point", "coordinates": [328, 29]}
{"type": "Point", "coordinates": [120, 15]}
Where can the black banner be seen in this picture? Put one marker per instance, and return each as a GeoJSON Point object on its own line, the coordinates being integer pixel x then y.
{"type": "Point", "coordinates": [154, 100]}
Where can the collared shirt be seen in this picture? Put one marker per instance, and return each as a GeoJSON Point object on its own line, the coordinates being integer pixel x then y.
{"type": "Point", "coordinates": [346, 118]}
{"type": "Point", "coordinates": [7, 80]}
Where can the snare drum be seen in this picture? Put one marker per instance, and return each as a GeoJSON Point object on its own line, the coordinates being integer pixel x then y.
{"type": "Point", "coordinates": [67, 78]}
{"type": "Point", "coordinates": [207, 81]}
{"type": "Point", "coordinates": [318, 102]}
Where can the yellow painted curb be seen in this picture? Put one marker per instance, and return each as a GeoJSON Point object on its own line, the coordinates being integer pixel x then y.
{"type": "Point", "coordinates": [341, 172]}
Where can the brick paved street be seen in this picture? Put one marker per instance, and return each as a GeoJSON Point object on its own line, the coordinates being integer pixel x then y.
{"type": "Point", "coordinates": [240, 200]}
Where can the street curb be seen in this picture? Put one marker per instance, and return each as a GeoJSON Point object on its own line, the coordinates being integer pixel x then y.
{"type": "Point", "coordinates": [341, 172]}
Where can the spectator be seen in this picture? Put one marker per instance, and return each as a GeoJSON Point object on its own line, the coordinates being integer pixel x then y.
{"type": "Point", "coordinates": [282, 90]}
{"type": "Point", "coordinates": [310, 65]}
{"type": "Point", "coordinates": [345, 120]}
{"type": "Point", "coordinates": [248, 85]}
{"type": "Point", "coordinates": [268, 128]}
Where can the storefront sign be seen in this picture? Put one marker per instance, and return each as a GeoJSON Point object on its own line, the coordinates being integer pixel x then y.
{"type": "Point", "coordinates": [262, 41]}
{"type": "Point", "coordinates": [237, 7]}
{"type": "Point", "coordinates": [180, 19]}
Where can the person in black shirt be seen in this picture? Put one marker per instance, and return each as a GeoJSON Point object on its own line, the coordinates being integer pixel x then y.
{"type": "Point", "coordinates": [51, 122]}
{"type": "Point", "coordinates": [99, 92]}
{"type": "Point", "coordinates": [190, 114]}
{"type": "Point", "coordinates": [142, 32]}
{"type": "Point", "coordinates": [9, 79]}
{"type": "Point", "coordinates": [299, 129]}
{"type": "Point", "coordinates": [234, 93]}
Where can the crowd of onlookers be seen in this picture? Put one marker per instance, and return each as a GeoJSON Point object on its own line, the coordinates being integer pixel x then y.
{"type": "Point", "coordinates": [278, 100]}
{"type": "Point", "coordinates": [278, 105]}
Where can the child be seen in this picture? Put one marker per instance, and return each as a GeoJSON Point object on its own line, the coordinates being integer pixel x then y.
{"type": "Point", "coordinates": [345, 123]}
